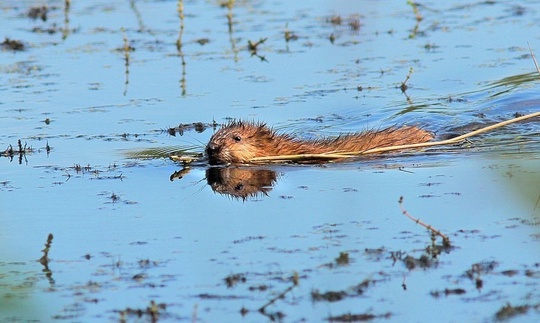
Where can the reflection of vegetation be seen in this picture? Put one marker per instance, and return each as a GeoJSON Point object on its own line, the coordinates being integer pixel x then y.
{"type": "Point", "coordinates": [416, 11]}
{"type": "Point", "coordinates": [428, 259]}
{"type": "Point", "coordinates": [163, 152]}
{"type": "Point", "coordinates": [254, 46]}
{"type": "Point", "coordinates": [180, 10]}
{"type": "Point", "coordinates": [133, 6]}
{"type": "Point", "coordinates": [179, 174]}
{"type": "Point", "coordinates": [364, 317]}
{"type": "Point", "coordinates": [12, 44]}
{"type": "Point", "coordinates": [508, 311]}
{"type": "Point", "coordinates": [154, 311]}
{"type": "Point", "coordinates": [38, 12]}
{"type": "Point", "coordinates": [234, 279]}
{"type": "Point", "coordinates": [509, 83]}
{"type": "Point", "coordinates": [41, 13]}
{"type": "Point", "coordinates": [44, 260]}
{"type": "Point", "coordinates": [21, 151]}
{"type": "Point", "coordinates": [516, 80]}
{"type": "Point", "coordinates": [478, 270]}
{"type": "Point", "coordinates": [230, 23]}
{"type": "Point", "coordinates": [67, 6]}
{"type": "Point", "coordinates": [289, 35]}
{"type": "Point", "coordinates": [96, 172]}
{"type": "Point", "coordinates": [126, 49]}
{"type": "Point", "coordinates": [197, 126]}
{"type": "Point", "coordinates": [342, 260]}
{"type": "Point", "coordinates": [418, 17]}
{"type": "Point", "coordinates": [335, 296]}
{"type": "Point", "coordinates": [353, 22]}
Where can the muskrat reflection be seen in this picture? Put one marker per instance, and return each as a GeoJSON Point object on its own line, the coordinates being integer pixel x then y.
{"type": "Point", "coordinates": [241, 183]}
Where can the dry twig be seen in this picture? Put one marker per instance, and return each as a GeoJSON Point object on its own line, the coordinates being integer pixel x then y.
{"type": "Point", "coordinates": [446, 240]}
{"type": "Point", "coordinates": [534, 58]}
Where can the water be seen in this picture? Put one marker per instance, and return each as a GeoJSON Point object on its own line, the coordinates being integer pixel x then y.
{"type": "Point", "coordinates": [124, 234]}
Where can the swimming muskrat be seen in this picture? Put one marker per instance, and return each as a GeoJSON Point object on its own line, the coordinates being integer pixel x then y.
{"type": "Point", "coordinates": [239, 141]}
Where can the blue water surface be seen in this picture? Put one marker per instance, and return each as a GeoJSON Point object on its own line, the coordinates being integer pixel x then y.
{"type": "Point", "coordinates": [99, 80]}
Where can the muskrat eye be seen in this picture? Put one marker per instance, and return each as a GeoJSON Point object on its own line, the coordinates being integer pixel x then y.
{"type": "Point", "coordinates": [237, 138]}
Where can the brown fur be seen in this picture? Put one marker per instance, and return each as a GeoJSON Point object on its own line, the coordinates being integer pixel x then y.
{"type": "Point", "coordinates": [238, 142]}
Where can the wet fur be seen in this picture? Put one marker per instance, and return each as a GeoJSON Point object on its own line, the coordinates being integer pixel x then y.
{"type": "Point", "coordinates": [239, 141]}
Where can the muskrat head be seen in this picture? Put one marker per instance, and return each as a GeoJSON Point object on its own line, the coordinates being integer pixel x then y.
{"type": "Point", "coordinates": [238, 142]}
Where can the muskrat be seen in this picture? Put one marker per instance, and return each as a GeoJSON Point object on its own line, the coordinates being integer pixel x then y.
{"type": "Point", "coordinates": [239, 141]}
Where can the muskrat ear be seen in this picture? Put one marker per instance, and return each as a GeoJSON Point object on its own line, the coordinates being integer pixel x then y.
{"type": "Point", "coordinates": [264, 130]}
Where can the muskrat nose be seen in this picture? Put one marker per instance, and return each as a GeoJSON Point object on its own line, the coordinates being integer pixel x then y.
{"type": "Point", "coordinates": [212, 148]}
{"type": "Point", "coordinates": [212, 151]}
